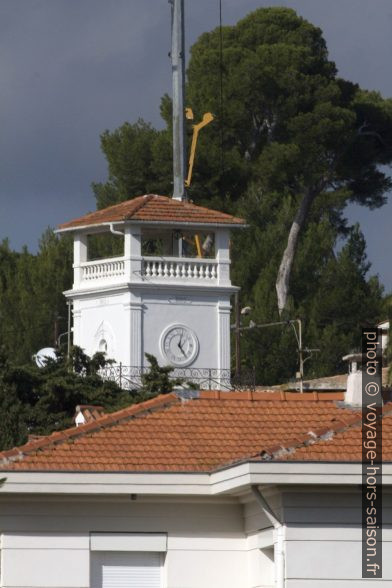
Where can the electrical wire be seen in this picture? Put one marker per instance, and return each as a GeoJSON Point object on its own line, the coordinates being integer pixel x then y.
{"type": "Point", "coordinates": [221, 85]}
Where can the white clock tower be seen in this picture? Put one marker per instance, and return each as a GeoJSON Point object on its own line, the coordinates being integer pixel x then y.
{"type": "Point", "coordinates": [167, 294]}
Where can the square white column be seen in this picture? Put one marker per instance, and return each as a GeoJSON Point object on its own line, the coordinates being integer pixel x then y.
{"type": "Point", "coordinates": [222, 244]}
{"type": "Point", "coordinates": [133, 253]}
{"type": "Point", "coordinates": [134, 320]}
{"type": "Point", "coordinates": [80, 256]}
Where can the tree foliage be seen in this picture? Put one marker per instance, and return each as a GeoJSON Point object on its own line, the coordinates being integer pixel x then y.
{"type": "Point", "coordinates": [291, 145]}
{"type": "Point", "coordinates": [139, 162]}
{"type": "Point", "coordinates": [290, 124]}
{"type": "Point", "coordinates": [42, 400]}
{"type": "Point", "coordinates": [31, 295]}
{"type": "Point", "coordinates": [157, 379]}
{"type": "Point", "coordinates": [291, 141]}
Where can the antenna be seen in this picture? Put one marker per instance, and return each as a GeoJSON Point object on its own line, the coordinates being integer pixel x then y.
{"type": "Point", "coordinates": [44, 355]}
{"type": "Point", "coordinates": [178, 74]}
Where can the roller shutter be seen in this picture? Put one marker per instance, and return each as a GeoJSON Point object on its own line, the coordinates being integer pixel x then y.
{"type": "Point", "coordinates": [127, 570]}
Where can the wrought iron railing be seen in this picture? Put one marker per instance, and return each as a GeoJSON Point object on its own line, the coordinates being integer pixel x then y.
{"type": "Point", "coordinates": [130, 377]}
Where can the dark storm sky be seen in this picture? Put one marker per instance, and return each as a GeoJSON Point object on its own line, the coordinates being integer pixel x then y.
{"type": "Point", "coordinates": [71, 68]}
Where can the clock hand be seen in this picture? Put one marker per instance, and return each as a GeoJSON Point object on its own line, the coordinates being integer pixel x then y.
{"type": "Point", "coordinates": [180, 347]}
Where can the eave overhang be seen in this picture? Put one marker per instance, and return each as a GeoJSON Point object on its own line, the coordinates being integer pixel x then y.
{"type": "Point", "coordinates": [231, 480]}
{"type": "Point", "coordinates": [147, 223]}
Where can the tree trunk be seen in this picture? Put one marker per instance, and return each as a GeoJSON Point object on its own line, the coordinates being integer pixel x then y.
{"type": "Point", "coordinates": [283, 280]}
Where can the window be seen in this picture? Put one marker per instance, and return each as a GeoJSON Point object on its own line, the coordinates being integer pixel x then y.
{"type": "Point", "coordinates": [112, 569]}
{"type": "Point", "coordinates": [127, 560]}
{"type": "Point", "coordinates": [103, 346]}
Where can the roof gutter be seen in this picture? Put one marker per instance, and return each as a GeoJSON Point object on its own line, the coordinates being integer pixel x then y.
{"type": "Point", "coordinates": [279, 536]}
{"type": "Point", "coordinates": [113, 230]}
{"type": "Point", "coordinates": [267, 510]}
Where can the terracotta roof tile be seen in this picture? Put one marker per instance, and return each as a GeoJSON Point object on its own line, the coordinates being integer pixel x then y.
{"type": "Point", "coordinates": [202, 434]}
{"type": "Point", "coordinates": [154, 208]}
{"type": "Point", "coordinates": [344, 442]}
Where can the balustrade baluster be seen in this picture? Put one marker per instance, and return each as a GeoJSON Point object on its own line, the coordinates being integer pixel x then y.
{"type": "Point", "coordinates": [193, 269]}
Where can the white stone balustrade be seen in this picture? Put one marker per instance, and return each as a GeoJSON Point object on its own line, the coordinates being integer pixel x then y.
{"type": "Point", "coordinates": [174, 268]}
{"type": "Point", "coordinates": [132, 267]}
{"type": "Point", "coordinates": [103, 269]}
{"type": "Point", "coordinates": [155, 269]}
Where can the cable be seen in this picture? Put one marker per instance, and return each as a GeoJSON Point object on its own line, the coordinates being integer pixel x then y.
{"type": "Point", "coordinates": [221, 85]}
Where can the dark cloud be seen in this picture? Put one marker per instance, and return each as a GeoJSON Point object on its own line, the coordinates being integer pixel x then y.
{"type": "Point", "coordinates": [71, 68]}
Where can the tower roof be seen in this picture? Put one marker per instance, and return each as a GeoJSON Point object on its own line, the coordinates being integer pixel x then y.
{"type": "Point", "coordinates": [153, 209]}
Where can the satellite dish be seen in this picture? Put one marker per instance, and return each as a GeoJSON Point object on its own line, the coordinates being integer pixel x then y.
{"type": "Point", "coordinates": [42, 356]}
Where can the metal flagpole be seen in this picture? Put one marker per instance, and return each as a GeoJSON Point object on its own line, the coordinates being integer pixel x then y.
{"type": "Point", "coordinates": [178, 73]}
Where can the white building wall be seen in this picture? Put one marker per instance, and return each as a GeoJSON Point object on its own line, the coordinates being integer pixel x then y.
{"type": "Point", "coordinates": [323, 540]}
{"type": "Point", "coordinates": [201, 314]}
{"type": "Point", "coordinates": [217, 543]}
{"type": "Point", "coordinates": [260, 541]}
{"type": "Point", "coordinates": [44, 560]}
{"type": "Point", "coordinates": [260, 556]}
{"type": "Point", "coordinates": [47, 545]}
{"type": "Point", "coordinates": [103, 316]}
{"type": "Point", "coordinates": [132, 323]}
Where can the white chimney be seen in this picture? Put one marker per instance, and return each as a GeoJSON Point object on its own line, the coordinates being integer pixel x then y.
{"type": "Point", "coordinates": [85, 413]}
{"type": "Point", "coordinates": [353, 395]}
{"type": "Point", "coordinates": [384, 327]}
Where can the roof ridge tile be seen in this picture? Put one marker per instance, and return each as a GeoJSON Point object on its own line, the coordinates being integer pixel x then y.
{"type": "Point", "coordinates": [270, 394]}
{"type": "Point", "coordinates": [142, 203]}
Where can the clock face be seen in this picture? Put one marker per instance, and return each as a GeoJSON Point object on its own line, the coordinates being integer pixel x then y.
{"type": "Point", "coordinates": [179, 345]}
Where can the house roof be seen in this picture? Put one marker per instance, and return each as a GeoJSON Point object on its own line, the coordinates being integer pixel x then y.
{"type": "Point", "coordinates": [342, 444]}
{"type": "Point", "coordinates": [152, 208]}
{"type": "Point", "coordinates": [210, 431]}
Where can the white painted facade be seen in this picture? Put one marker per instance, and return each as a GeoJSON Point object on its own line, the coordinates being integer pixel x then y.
{"type": "Point", "coordinates": [209, 531]}
{"type": "Point", "coordinates": [128, 306]}
{"type": "Point", "coordinates": [326, 526]}
{"type": "Point", "coordinates": [61, 543]}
